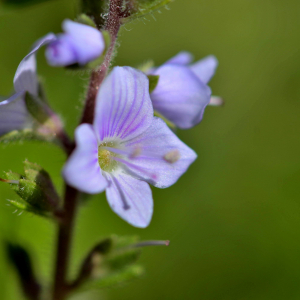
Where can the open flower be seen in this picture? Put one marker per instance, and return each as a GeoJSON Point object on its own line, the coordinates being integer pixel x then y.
{"type": "Point", "coordinates": [182, 93]}
{"type": "Point", "coordinates": [126, 148]}
{"type": "Point", "coordinates": [13, 111]}
{"type": "Point", "coordinates": [79, 44]}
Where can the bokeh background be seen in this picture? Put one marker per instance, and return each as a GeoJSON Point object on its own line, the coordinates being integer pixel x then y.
{"type": "Point", "coordinates": [234, 218]}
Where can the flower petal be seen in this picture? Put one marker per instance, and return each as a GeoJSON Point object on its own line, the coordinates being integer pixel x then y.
{"type": "Point", "coordinates": [154, 146]}
{"type": "Point", "coordinates": [60, 52]}
{"type": "Point", "coordinates": [130, 198]}
{"type": "Point", "coordinates": [87, 41]}
{"type": "Point", "coordinates": [25, 78]}
{"type": "Point", "coordinates": [182, 58]}
{"type": "Point", "coordinates": [123, 109]}
{"type": "Point", "coordinates": [13, 114]}
{"type": "Point", "coordinates": [180, 96]}
{"type": "Point", "coordinates": [205, 68]}
{"type": "Point", "coordinates": [82, 170]}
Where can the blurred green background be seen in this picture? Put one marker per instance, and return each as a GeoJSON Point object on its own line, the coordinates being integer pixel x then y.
{"type": "Point", "coordinates": [234, 218]}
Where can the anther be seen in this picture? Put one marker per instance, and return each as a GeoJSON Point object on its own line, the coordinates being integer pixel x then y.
{"type": "Point", "coordinates": [152, 243]}
{"type": "Point", "coordinates": [172, 156]}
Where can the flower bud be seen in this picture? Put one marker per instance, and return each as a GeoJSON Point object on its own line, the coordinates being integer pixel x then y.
{"type": "Point", "coordinates": [79, 44]}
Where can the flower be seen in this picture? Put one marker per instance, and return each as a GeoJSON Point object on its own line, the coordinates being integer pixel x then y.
{"type": "Point", "coordinates": [13, 111]}
{"type": "Point", "coordinates": [182, 93]}
{"type": "Point", "coordinates": [79, 44]}
{"type": "Point", "coordinates": [126, 148]}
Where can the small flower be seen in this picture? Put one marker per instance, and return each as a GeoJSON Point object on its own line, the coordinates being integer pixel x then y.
{"type": "Point", "coordinates": [126, 148]}
{"type": "Point", "coordinates": [13, 111]}
{"type": "Point", "coordinates": [182, 93]}
{"type": "Point", "coordinates": [79, 44]}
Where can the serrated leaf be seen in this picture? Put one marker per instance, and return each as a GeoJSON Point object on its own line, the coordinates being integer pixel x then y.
{"type": "Point", "coordinates": [141, 8]}
{"type": "Point", "coordinates": [153, 81]}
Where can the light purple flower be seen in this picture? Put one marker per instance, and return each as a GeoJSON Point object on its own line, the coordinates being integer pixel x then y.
{"type": "Point", "coordinates": [182, 93]}
{"type": "Point", "coordinates": [126, 148]}
{"type": "Point", "coordinates": [79, 44]}
{"type": "Point", "coordinates": [13, 111]}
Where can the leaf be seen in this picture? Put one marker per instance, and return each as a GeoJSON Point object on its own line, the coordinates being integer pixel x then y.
{"type": "Point", "coordinates": [20, 259]}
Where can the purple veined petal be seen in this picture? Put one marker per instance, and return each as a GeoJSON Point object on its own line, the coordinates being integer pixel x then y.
{"type": "Point", "coordinates": [152, 165]}
{"type": "Point", "coordinates": [205, 68]}
{"type": "Point", "coordinates": [180, 96]}
{"type": "Point", "coordinates": [87, 42]}
{"type": "Point", "coordinates": [123, 109]}
{"type": "Point", "coordinates": [82, 170]}
{"type": "Point", "coordinates": [25, 78]}
{"type": "Point", "coordinates": [130, 198]}
{"type": "Point", "coordinates": [13, 114]}
{"type": "Point", "coordinates": [182, 58]}
{"type": "Point", "coordinates": [61, 52]}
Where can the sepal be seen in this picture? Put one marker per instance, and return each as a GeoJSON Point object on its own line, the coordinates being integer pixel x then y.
{"type": "Point", "coordinates": [141, 8]}
{"type": "Point", "coordinates": [20, 136]}
{"type": "Point", "coordinates": [36, 190]}
{"type": "Point", "coordinates": [153, 81]}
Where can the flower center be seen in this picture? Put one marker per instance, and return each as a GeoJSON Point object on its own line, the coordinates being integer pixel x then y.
{"type": "Point", "coordinates": [106, 158]}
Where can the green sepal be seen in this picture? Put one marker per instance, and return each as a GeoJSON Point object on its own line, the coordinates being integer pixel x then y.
{"type": "Point", "coordinates": [169, 123]}
{"type": "Point", "coordinates": [36, 190]}
{"type": "Point", "coordinates": [85, 19]}
{"type": "Point", "coordinates": [36, 108]}
{"type": "Point", "coordinates": [146, 66]}
{"type": "Point", "coordinates": [20, 136]}
{"type": "Point", "coordinates": [95, 10]}
{"type": "Point", "coordinates": [141, 8]}
{"type": "Point", "coordinates": [153, 81]}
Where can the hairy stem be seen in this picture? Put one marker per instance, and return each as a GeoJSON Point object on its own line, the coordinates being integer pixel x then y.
{"type": "Point", "coordinates": [61, 287]}
{"type": "Point", "coordinates": [112, 26]}
{"type": "Point", "coordinates": [64, 244]}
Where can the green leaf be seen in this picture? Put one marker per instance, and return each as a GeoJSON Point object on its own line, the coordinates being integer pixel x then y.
{"type": "Point", "coordinates": [153, 81]}
{"type": "Point", "coordinates": [141, 8]}
{"type": "Point", "coordinates": [169, 123]}
{"type": "Point", "coordinates": [21, 261]}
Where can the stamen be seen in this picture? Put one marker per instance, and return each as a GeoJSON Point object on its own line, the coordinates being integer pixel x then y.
{"type": "Point", "coordinates": [10, 181]}
{"type": "Point", "coordinates": [152, 243]}
{"type": "Point", "coordinates": [172, 156]}
{"type": "Point", "coordinates": [216, 101]}
{"type": "Point", "coordinates": [125, 162]}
